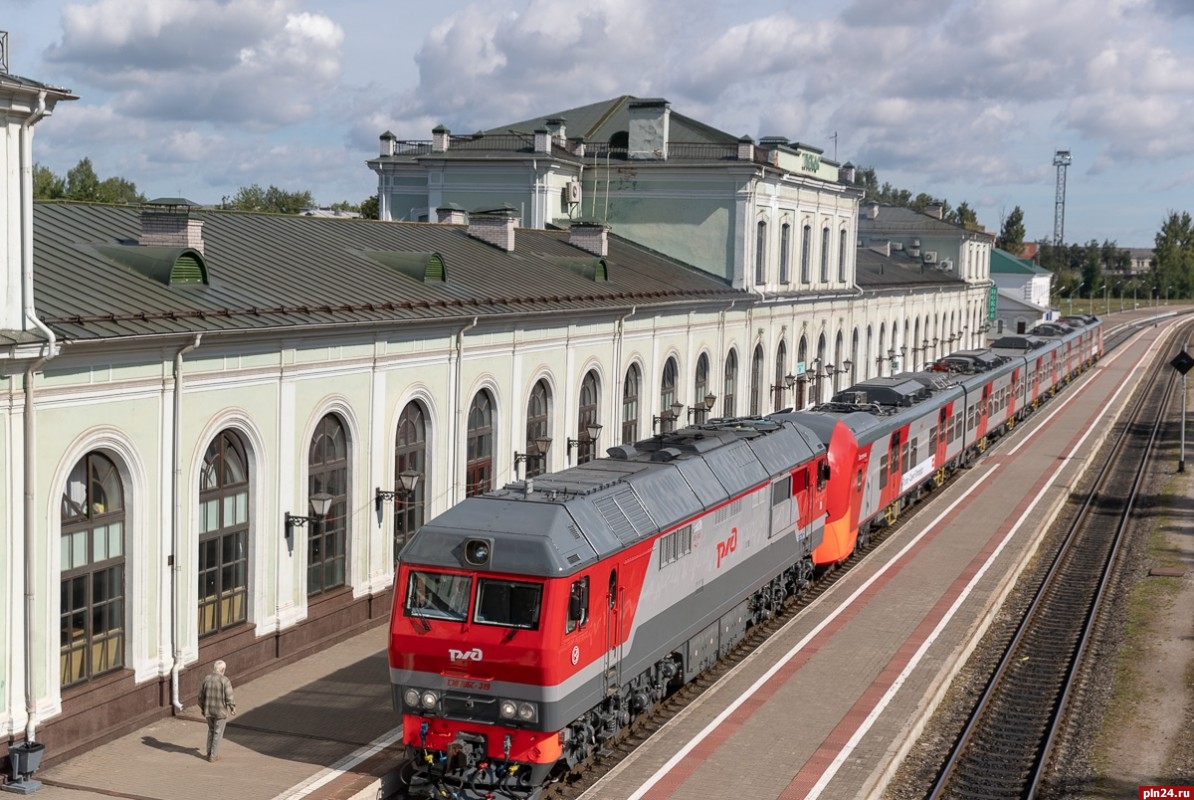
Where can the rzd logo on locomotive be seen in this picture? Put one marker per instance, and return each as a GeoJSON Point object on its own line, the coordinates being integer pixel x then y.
{"type": "Point", "coordinates": [727, 547]}
{"type": "Point", "coordinates": [464, 655]}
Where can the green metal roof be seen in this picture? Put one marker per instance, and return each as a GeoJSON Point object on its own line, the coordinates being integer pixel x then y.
{"type": "Point", "coordinates": [92, 280]}
{"type": "Point", "coordinates": [1004, 263]}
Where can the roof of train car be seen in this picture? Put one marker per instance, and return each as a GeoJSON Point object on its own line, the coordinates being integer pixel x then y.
{"type": "Point", "coordinates": [558, 523]}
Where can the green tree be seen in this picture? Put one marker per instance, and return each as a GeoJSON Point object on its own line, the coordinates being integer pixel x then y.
{"type": "Point", "coordinates": [273, 200]}
{"type": "Point", "coordinates": [47, 185]}
{"type": "Point", "coordinates": [1173, 255]}
{"type": "Point", "coordinates": [82, 184]}
{"type": "Point", "coordinates": [370, 208]}
{"type": "Point", "coordinates": [1011, 235]}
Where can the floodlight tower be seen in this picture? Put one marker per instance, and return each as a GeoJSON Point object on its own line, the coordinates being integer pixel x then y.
{"type": "Point", "coordinates": [1061, 160]}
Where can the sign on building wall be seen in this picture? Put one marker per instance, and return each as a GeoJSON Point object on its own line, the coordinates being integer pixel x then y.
{"type": "Point", "coordinates": [992, 300]}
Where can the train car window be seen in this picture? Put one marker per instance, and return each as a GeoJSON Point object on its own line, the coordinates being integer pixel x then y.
{"type": "Point", "coordinates": [823, 473]}
{"type": "Point", "coordinates": [438, 595]}
{"type": "Point", "coordinates": [578, 605]}
{"type": "Point", "coordinates": [512, 604]}
{"type": "Point", "coordinates": [883, 470]}
{"type": "Point", "coordinates": [933, 442]}
{"type": "Point", "coordinates": [781, 490]}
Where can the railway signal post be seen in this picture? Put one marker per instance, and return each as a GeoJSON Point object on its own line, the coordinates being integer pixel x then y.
{"type": "Point", "coordinates": [1182, 362]}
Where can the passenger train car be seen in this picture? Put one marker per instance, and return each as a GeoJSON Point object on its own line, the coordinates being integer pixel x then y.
{"type": "Point", "coordinates": [532, 623]}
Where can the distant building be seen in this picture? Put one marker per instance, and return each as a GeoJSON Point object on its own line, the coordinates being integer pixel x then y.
{"type": "Point", "coordinates": [1024, 291]}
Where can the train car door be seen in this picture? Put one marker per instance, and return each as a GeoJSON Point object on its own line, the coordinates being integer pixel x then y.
{"type": "Point", "coordinates": [940, 438]}
{"type": "Point", "coordinates": [984, 410]}
{"type": "Point", "coordinates": [613, 633]}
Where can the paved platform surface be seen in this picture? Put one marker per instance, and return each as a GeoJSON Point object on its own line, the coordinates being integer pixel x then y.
{"type": "Point", "coordinates": [824, 710]}
{"type": "Point", "coordinates": [332, 708]}
{"type": "Point", "coordinates": [827, 707]}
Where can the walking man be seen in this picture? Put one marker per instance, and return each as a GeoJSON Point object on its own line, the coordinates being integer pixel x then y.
{"type": "Point", "coordinates": [217, 703]}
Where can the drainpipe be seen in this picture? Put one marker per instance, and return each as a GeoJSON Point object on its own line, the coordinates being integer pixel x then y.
{"type": "Point", "coordinates": [176, 521]}
{"type": "Point", "coordinates": [619, 335]}
{"type": "Point", "coordinates": [30, 452]}
{"type": "Point", "coordinates": [459, 378]}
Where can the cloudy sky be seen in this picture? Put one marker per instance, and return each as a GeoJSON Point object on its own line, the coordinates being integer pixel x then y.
{"type": "Point", "coordinates": [961, 99]}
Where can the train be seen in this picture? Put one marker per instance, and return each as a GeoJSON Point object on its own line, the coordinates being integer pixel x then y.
{"type": "Point", "coordinates": [532, 623]}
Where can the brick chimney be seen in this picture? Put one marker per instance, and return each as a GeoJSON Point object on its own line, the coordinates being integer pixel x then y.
{"type": "Point", "coordinates": [746, 149]}
{"type": "Point", "coordinates": [494, 226]}
{"type": "Point", "coordinates": [592, 237]}
{"type": "Point", "coordinates": [389, 144]}
{"type": "Point", "coordinates": [542, 140]}
{"type": "Point", "coordinates": [451, 214]}
{"type": "Point", "coordinates": [167, 223]}
{"type": "Point", "coordinates": [555, 126]}
{"type": "Point", "coordinates": [935, 210]}
{"type": "Point", "coordinates": [648, 134]}
{"type": "Point", "coordinates": [440, 137]}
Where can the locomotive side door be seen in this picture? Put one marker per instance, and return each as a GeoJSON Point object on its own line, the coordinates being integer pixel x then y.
{"type": "Point", "coordinates": [613, 635]}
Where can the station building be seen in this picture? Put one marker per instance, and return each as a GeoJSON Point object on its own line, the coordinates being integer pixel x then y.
{"type": "Point", "coordinates": [219, 429]}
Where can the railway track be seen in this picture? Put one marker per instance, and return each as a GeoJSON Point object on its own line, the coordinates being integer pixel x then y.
{"type": "Point", "coordinates": [1003, 750]}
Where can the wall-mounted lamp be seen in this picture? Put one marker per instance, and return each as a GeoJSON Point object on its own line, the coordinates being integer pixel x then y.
{"type": "Point", "coordinates": [542, 444]}
{"type": "Point", "coordinates": [702, 410]}
{"type": "Point", "coordinates": [592, 430]}
{"type": "Point", "coordinates": [669, 416]}
{"type": "Point", "coordinates": [408, 479]}
{"type": "Point", "coordinates": [320, 504]}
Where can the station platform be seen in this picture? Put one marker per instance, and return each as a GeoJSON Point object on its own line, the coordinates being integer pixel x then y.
{"type": "Point", "coordinates": [825, 709]}
{"type": "Point", "coordinates": [829, 705]}
{"type": "Point", "coordinates": [320, 728]}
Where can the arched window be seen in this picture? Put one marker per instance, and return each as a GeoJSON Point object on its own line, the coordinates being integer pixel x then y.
{"type": "Point", "coordinates": [841, 256]}
{"type": "Point", "coordinates": [852, 367]}
{"type": "Point", "coordinates": [785, 254]}
{"type": "Point", "coordinates": [781, 368]}
{"type": "Point", "coordinates": [223, 535]}
{"type": "Point", "coordinates": [410, 456]}
{"type": "Point", "coordinates": [630, 392]}
{"type": "Point", "coordinates": [731, 384]}
{"type": "Point", "coordinates": [883, 355]}
{"type": "Point", "coordinates": [756, 382]}
{"type": "Point", "coordinates": [700, 387]}
{"type": "Point", "coordinates": [587, 414]}
{"type": "Point", "coordinates": [667, 395]}
{"type": "Point", "coordinates": [327, 537]}
{"type": "Point", "coordinates": [806, 256]}
{"type": "Point", "coordinates": [825, 254]}
{"type": "Point", "coordinates": [478, 469]}
{"type": "Point", "coordinates": [92, 545]}
{"type": "Point", "coordinates": [538, 425]}
{"type": "Point", "coordinates": [839, 365]}
{"type": "Point", "coordinates": [801, 373]}
{"type": "Point", "coordinates": [761, 252]}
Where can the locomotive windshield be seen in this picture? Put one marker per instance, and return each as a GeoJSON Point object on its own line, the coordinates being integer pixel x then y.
{"type": "Point", "coordinates": [438, 595]}
{"type": "Point", "coordinates": [508, 603]}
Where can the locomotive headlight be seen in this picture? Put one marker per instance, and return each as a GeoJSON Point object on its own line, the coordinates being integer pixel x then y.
{"type": "Point", "coordinates": [411, 696]}
{"type": "Point", "coordinates": [430, 700]}
{"type": "Point", "coordinates": [527, 712]}
{"type": "Point", "coordinates": [507, 709]}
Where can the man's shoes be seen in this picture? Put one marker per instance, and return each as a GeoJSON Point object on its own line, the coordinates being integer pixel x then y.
{"type": "Point", "coordinates": [214, 759]}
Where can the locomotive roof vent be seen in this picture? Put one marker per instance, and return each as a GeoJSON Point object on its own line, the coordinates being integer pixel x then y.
{"type": "Point", "coordinates": [622, 452]}
{"type": "Point", "coordinates": [665, 454]}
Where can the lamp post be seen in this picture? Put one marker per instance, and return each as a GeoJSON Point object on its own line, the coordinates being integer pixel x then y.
{"type": "Point", "coordinates": [668, 418]}
{"type": "Point", "coordinates": [702, 411]}
{"type": "Point", "coordinates": [408, 479]}
{"type": "Point", "coordinates": [778, 389]}
{"type": "Point", "coordinates": [321, 503]}
{"type": "Point", "coordinates": [592, 431]}
{"type": "Point", "coordinates": [542, 443]}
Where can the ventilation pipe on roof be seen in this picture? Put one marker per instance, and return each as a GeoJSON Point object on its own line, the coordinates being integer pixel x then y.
{"type": "Point", "coordinates": [176, 522]}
